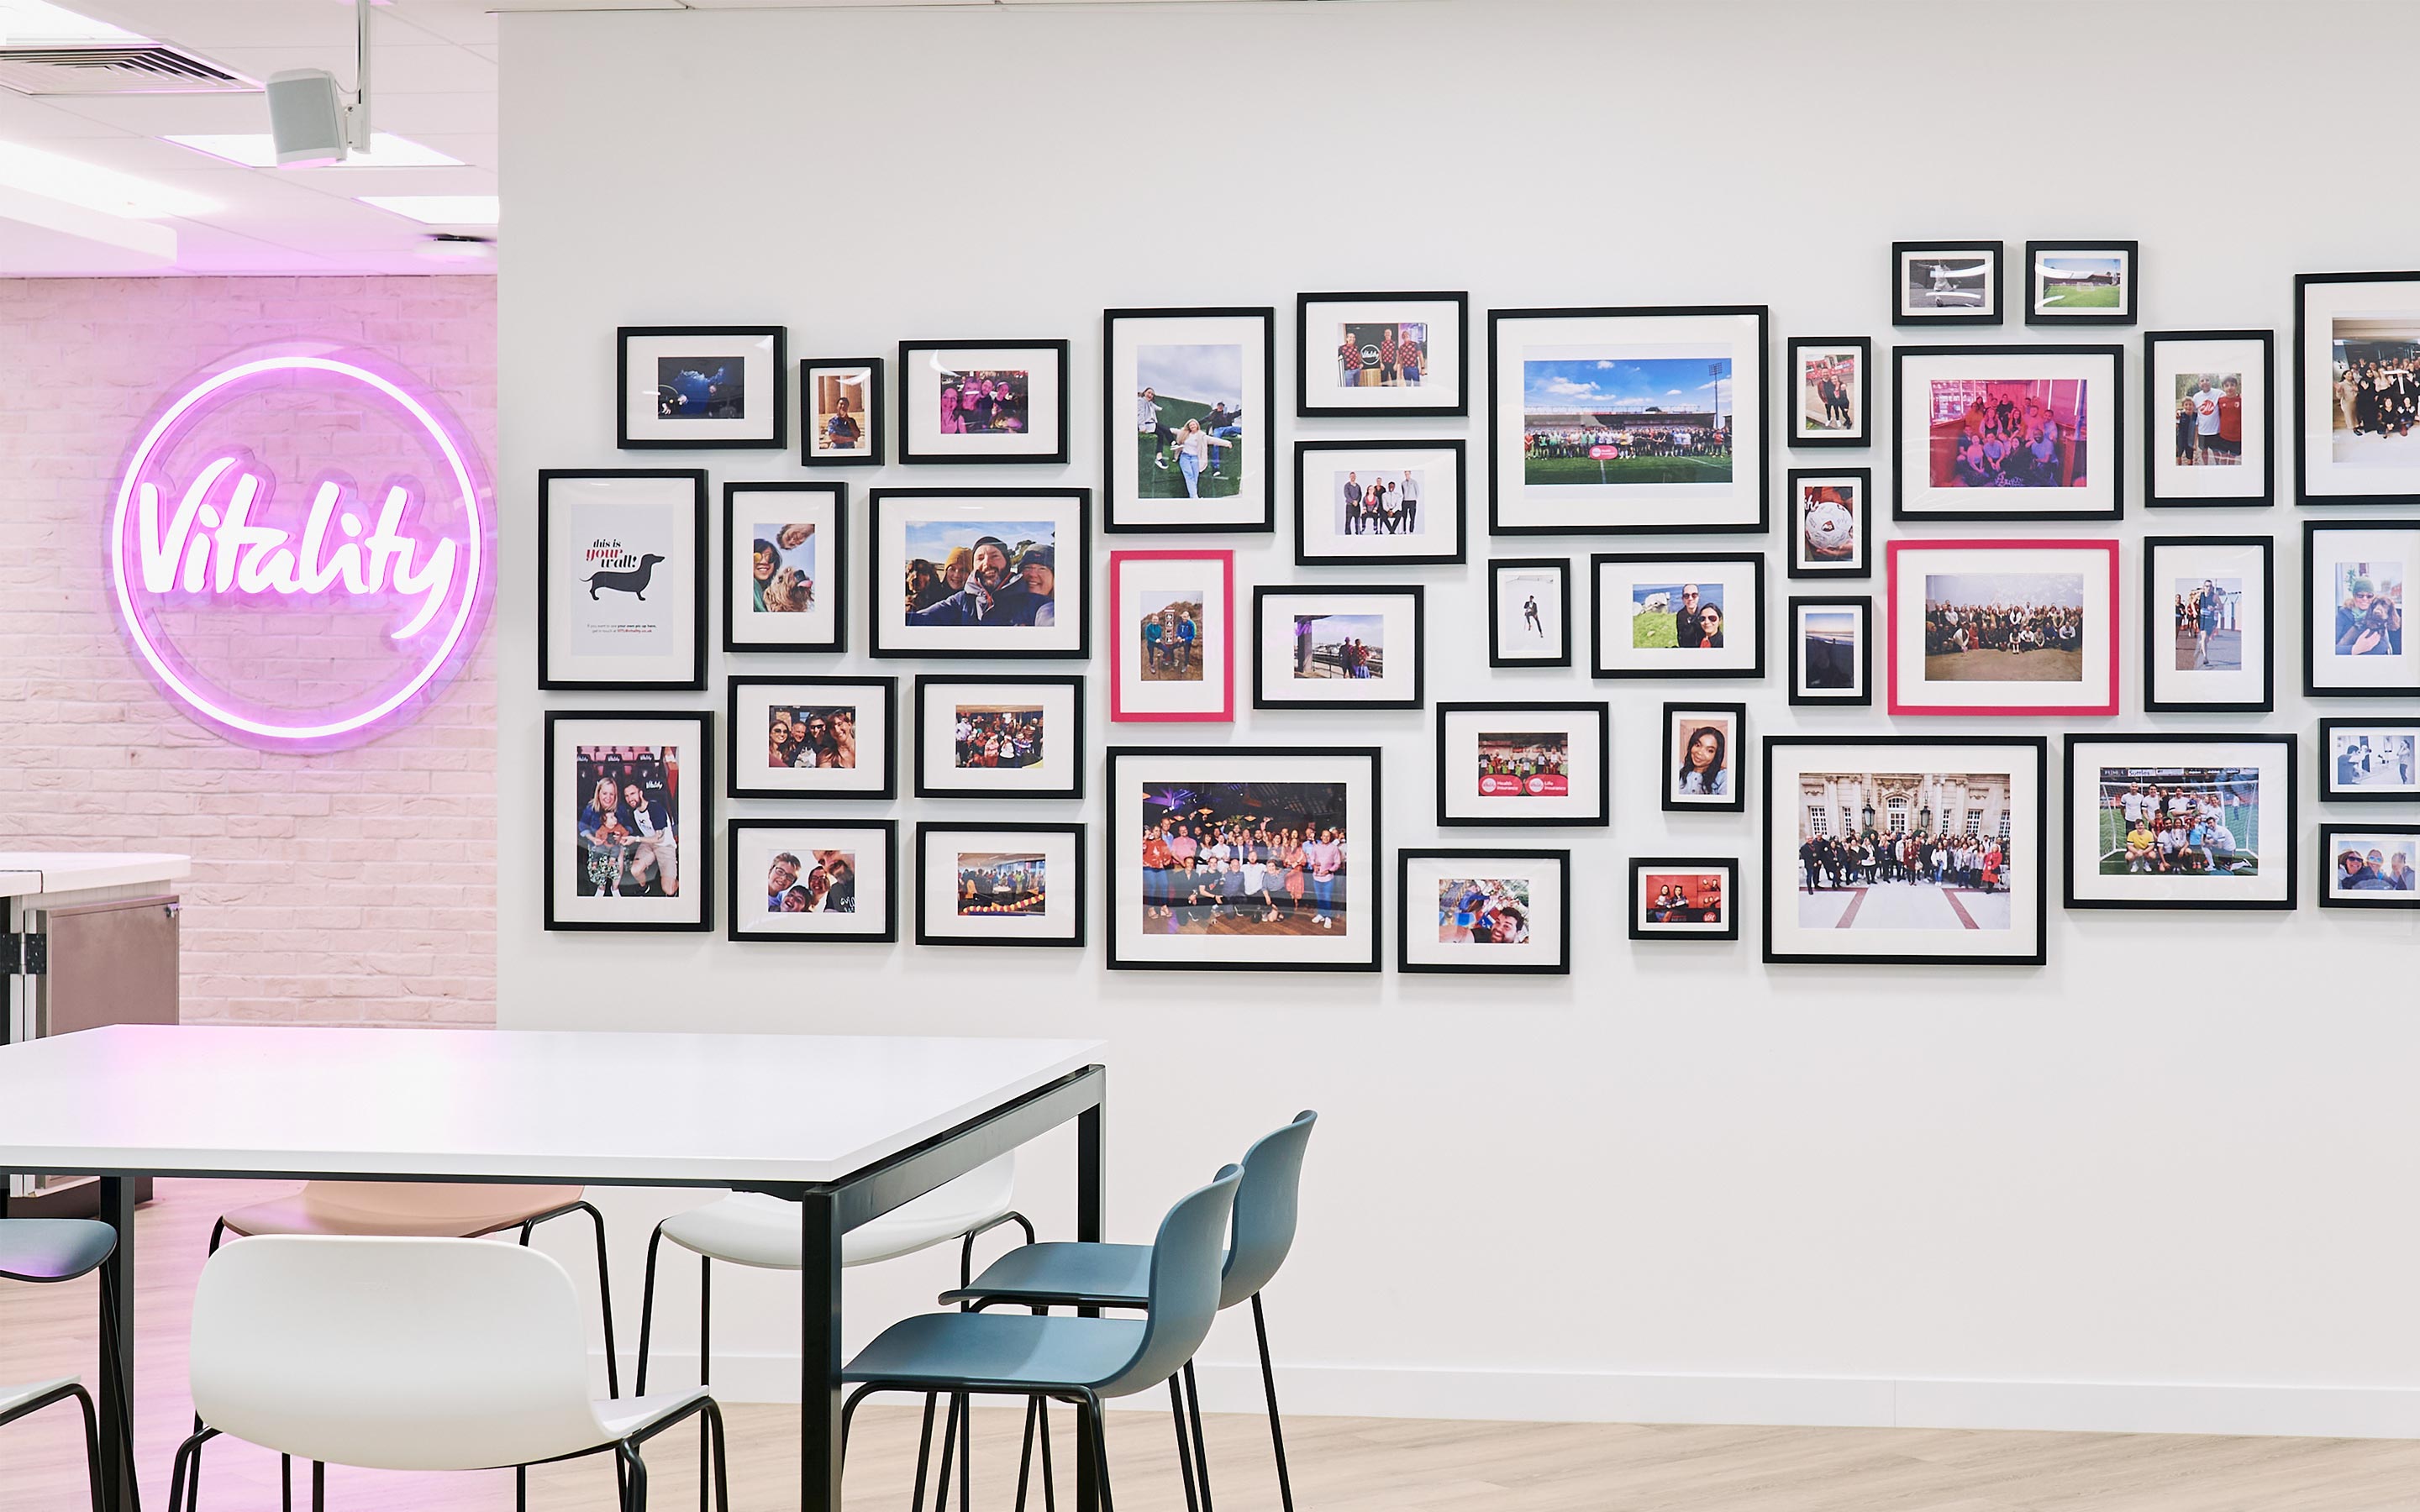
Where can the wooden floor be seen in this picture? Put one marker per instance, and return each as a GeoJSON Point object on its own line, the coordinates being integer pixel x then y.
{"type": "Point", "coordinates": [1340, 1464]}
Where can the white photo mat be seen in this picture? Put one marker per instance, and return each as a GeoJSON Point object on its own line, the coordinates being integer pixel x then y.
{"type": "Point", "coordinates": [1278, 647]}
{"type": "Point", "coordinates": [682, 747]}
{"type": "Point", "coordinates": [751, 768]}
{"type": "Point", "coordinates": [944, 850]}
{"type": "Point", "coordinates": [600, 633]}
{"type": "Point", "coordinates": [758, 514]}
{"type": "Point", "coordinates": [1320, 380]}
{"type": "Point", "coordinates": [1426, 916]}
{"type": "Point", "coordinates": [2101, 371]}
{"type": "Point", "coordinates": [760, 377]}
{"type": "Point", "coordinates": [1055, 770]}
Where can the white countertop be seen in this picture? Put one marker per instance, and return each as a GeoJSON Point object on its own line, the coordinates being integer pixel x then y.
{"type": "Point", "coordinates": [25, 872]}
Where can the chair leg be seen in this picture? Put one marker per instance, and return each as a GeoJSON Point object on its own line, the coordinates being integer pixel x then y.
{"type": "Point", "coordinates": [967, 1456]}
{"type": "Point", "coordinates": [605, 1303]}
{"type": "Point", "coordinates": [723, 1460]}
{"type": "Point", "coordinates": [1042, 1426]}
{"type": "Point", "coordinates": [1269, 1385]}
{"type": "Point", "coordinates": [1184, 1455]}
{"type": "Point", "coordinates": [186, 1467]}
{"type": "Point", "coordinates": [923, 1453]}
{"type": "Point", "coordinates": [705, 1336]}
{"type": "Point", "coordinates": [634, 1477]}
{"type": "Point", "coordinates": [1089, 1426]}
{"type": "Point", "coordinates": [949, 1453]}
{"type": "Point", "coordinates": [318, 1486]}
{"type": "Point", "coordinates": [124, 1400]}
{"type": "Point", "coordinates": [521, 1488]}
{"type": "Point", "coordinates": [1025, 1455]}
{"type": "Point", "coordinates": [91, 1445]}
{"type": "Point", "coordinates": [1201, 1450]}
{"type": "Point", "coordinates": [647, 1310]}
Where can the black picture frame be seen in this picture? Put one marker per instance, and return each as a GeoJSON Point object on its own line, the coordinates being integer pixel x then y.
{"type": "Point", "coordinates": [1305, 409]}
{"type": "Point", "coordinates": [835, 582]}
{"type": "Point", "coordinates": [1863, 606]}
{"type": "Point", "coordinates": [887, 934]}
{"type": "Point", "coordinates": [1404, 922]}
{"type": "Point", "coordinates": [1117, 422]}
{"type": "Point", "coordinates": [1562, 567]}
{"type": "Point", "coordinates": [779, 437]}
{"type": "Point", "coordinates": [927, 829]}
{"type": "Point", "coordinates": [2074, 793]}
{"type": "Point", "coordinates": [927, 683]}
{"type": "Point", "coordinates": [1862, 564]}
{"type": "Point", "coordinates": [1264, 592]}
{"type": "Point", "coordinates": [2323, 756]}
{"type": "Point", "coordinates": [1755, 560]}
{"type": "Point", "coordinates": [1992, 252]}
{"type": "Point", "coordinates": [878, 499]}
{"type": "Point", "coordinates": [2329, 898]}
{"type": "Point", "coordinates": [1592, 709]}
{"type": "Point", "coordinates": [911, 455]}
{"type": "Point", "coordinates": [1641, 865]}
{"type": "Point", "coordinates": [2304, 284]}
{"type": "Point", "coordinates": [702, 823]}
{"type": "Point", "coordinates": [889, 689]}
{"type": "Point", "coordinates": [2312, 530]}
{"type": "Point", "coordinates": [1901, 471]}
{"type": "Point", "coordinates": [2132, 285]}
{"type": "Point", "coordinates": [2156, 607]}
{"type": "Point", "coordinates": [695, 681]}
{"type": "Point", "coordinates": [1453, 446]}
{"type": "Point", "coordinates": [877, 412]}
{"type": "Point", "coordinates": [2263, 415]}
{"type": "Point", "coordinates": [1865, 436]}
{"type": "Point", "coordinates": [1736, 748]}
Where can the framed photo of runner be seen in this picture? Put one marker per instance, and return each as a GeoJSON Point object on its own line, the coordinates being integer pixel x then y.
{"type": "Point", "coordinates": [621, 578]}
{"type": "Point", "coordinates": [2370, 760]}
{"type": "Point", "coordinates": [1497, 912]}
{"type": "Point", "coordinates": [2356, 586]}
{"type": "Point", "coordinates": [786, 567]}
{"type": "Point", "coordinates": [1189, 432]}
{"type": "Point", "coordinates": [1337, 648]}
{"type": "Point", "coordinates": [1702, 746]}
{"type": "Point", "coordinates": [822, 881]}
{"type": "Point", "coordinates": [2023, 433]}
{"type": "Point", "coordinates": [1684, 898]}
{"type": "Point", "coordinates": [2160, 821]}
{"type": "Point", "coordinates": [2003, 627]}
{"type": "Point", "coordinates": [1831, 514]}
{"type": "Point", "coordinates": [982, 402]}
{"type": "Point", "coordinates": [2081, 283]}
{"type": "Point", "coordinates": [1530, 612]}
{"type": "Point", "coordinates": [1359, 504]}
{"type": "Point", "coordinates": [1831, 652]}
{"type": "Point", "coordinates": [1678, 614]}
{"type": "Point", "coordinates": [999, 737]}
{"type": "Point", "coordinates": [1524, 763]}
{"type": "Point", "coordinates": [1903, 850]}
{"type": "Point", "coordinates": [2206, 399]}
{"type": "Point", "coordinates": [844, 400]}
{"type": "Point", "coordinates": [630, 821]}
{"type": "Point", "coordinates": [2209, 624]}
{"type": "Point", "coordinates": [1173, 640]}
{"type": "Point", "coordinates": [1945, 284]}
{"type": "Point", "coordinates": [1381, 354]}
{"type": "Point", "coordinates": [1831, 390]}
{"type": "Point", "coordinates": [813, 737]}
{"type": "Point", "coordinates": [2356, 388]}
{"type": "Point", "coordinates": [699, 387]}
{"type": "Point", "coordinates": [976, 572]}
{"type": "Point", "coordinates": [2369, 866]}
{"type": "Point", "coordinates": [999, 884]}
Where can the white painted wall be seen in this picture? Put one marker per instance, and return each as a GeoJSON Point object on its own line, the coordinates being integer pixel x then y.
{"type": "Point", "coordinates": [2163, 1183]}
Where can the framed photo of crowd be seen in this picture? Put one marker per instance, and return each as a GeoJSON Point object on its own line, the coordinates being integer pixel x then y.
{"type": "Point", "coordinates": [786, 567]}
{"type": "Point", "coordinates": [723, 388]}
{"type": "Point", "coordinates": [1831, 390]}
{"type": "Point", "coordinates": [844, 403]}
{"type": "Point", "coordinates": [973, 572]}
{"type": "Point", "coordinates": [1360, 503]}
{"type": "Point", "coordinates": [1684, 898]}
{"type": "Point", "coordinates": [1831, 651]}
{"type": "Point", "coordinates": [999, 884]}
{"type": "Point", "coordinates": [1678, 614]}
{"type": "Point", "coordinates": [999, 737]}
{"type": "Point", "coordinates": [1500, 911]}
{"type": "Point", "coordinates": [1539, 763]}
{"type": "Point", "coordinates": [1406, 355]}
{"type": "Point", "coordinates": [2162, 821]}
{"type": "Point", "coordinates": [1337, 648]}
{"type": "Point", "coordinates": [1530, 612]}
{"type": "Point", "coordinates": [824, 881]}
{"type": "Point", "coordinates": [621, 578]}
{"type": "Point", "coordinates": [1188, 426]}
{"type": "Point", "coordinates": [2357, 388]}
{"type": "Point", "coordinates": [2003, 627]}
{"type": "Point", "coordinates": [813, 737]}
{"type": "Point", "coordinates": [982, 402]}
{"type": "Point", "coordinates": [1173, 637]}
{"type": "Point", "coordinates": [630, 821]}
{"type": "Point", "coordinates": [2355, 592]}
{"type": "Point", "coordinates": [2208, 396]}
{"type": "Point", "coordinates": [2208, 624]}
{"type": "Point", "coordinates": [2009, 433]}
{"type": "Point", "coordinates": [2370, 760]}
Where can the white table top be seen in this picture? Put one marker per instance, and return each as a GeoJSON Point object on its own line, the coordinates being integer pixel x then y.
{"type": "Point", "coordinates": [706, 1108]}
{"type": "Point", "coordinates": [24, 873]}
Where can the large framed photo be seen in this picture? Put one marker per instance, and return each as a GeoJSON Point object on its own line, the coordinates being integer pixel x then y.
{"type": "Point", "coordinates": [1173, 640]}
{"type": "Point", "coordinates": [1381, 354]}
{"type": "Point", "coordinates": [2370, 760]}
{"type": "Point", "coordinates": [1684, 898]}
{"type": "Point", "coordinates": [999, 737]}
{"type": "Point", "coordinates": [1831, 651]}
{"type": "Point", "coordinates": [1530, 612]}
{"type": "Point", "coordinates": [2369, 866]}
{"type": "Point", "coordinates": [814, 737]}
{"type": "Point", "coordinates": [1646, 420]}
{"type": "Point", "coordinates": [999, 884]}
{"type": "Point", "coordinates": [2206, 399]}
{"type": "Point", "coordinates": [2356, 577]}
{"type": "Point", "coordinates": [1945, 284]}
{"type": "Point", "coordinates": [1831, 514]}
{"type": "Point", "coordinates": [621, 578]}
{"type": "Point", "coordinates": [2357, 388]}
{"type": "Point", "coordinates": [1337, 648]}
{"type": "Point", "coordinates": [630, 821]}
{"type": "Point", "coordinates": [2159, 821]}
{"type": "Point", "coordinates": [1998, 627]}
{"type": "Point", "coordinates": [974, 572]}
{"type": "Point", "coordinates": [1391, 503]}
{"type": "Point", "coordinates": [1188, 426]}
{"type": "Point", "coordinates": [982, 402]}
{"type": "Point", "coordinates": [2081, 283]}
{"type": "Point", "coordinates": [786, 567]}
{"type": "Point", "coordinates": [823, 881]}
{"type": "Point", "coordinates": [698, 387]}
{"type": "Point", "coordinates": [2020, 433]}
{"type": "Point", "coordinates": [1903, 850]}
{"type": "Point", "coordinates": [1524, 763]}
{"type": "Point", "coordinates": [1831, 390]}
{"type": "Point", "coordinates": [1500, 911]}
{"type": "Point", "coordinates": [1702, 743]}
{"type": "Point", "coordinates": [1244, 858]}
{"type": "Point", "coordinates": [2209, 623]}
{"type": "Point", "coordinates": [1679, 615]}
{"type": "Point", "coordinates": [844, 401]}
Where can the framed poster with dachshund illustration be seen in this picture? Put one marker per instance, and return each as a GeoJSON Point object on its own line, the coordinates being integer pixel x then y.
{"type": "Point", "coordinates": [621, 578]}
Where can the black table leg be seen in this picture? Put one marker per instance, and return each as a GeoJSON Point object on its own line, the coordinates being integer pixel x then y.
{"type": "Point", "coordinates": [117, 1491]}
{"type": "Point", "coordinates": [1091, 1203]}
{"type": "Point", "coordinates": [819, 1400]}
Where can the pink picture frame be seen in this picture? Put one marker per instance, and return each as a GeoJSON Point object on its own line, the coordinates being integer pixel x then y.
{"type": "Point", "coordinates": [1187, 672]}
{"type": "Point", "coordinates": [2036, 620]}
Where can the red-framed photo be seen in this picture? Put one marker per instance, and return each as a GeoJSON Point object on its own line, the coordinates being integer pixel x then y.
{"type": "Point", "coordinates": [2003, 627]}
{"type": "Point", "coordinates": [1172, 636]}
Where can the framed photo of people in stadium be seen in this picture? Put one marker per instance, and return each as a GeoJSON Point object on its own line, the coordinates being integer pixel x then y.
{"type": "Point", "coordinates": [621, 578]}
{"type": "Point", "coordinates": [2370, 760]}
{"type": "Point", "coordinates": [2356, 588]}
{"type": "Point", "coordinates": [1702, 746]}
{"type": "Point", "coordinates": [999, 737]}
{"type": "Point", "coordinates": [2081, 283]}
{"type": "Point", "coordinates": [1342, 647]}
{"type": "Point", "coordinates": [1530, 612]}
{"type": "Point", "coordinates": [1678, 614]}
{"type": "Point", "coordinates": [1831, 383]}
{"type": "Point", "coordinates": [1945, 284]}
{"type": "Point", "coordinates": [982, 402]}
{"type": "Point", "coordinates": [1173, 637]}
{"type": "Point", "coordinates": [1524, 763]}
{"type": "Point", "coordinates": [786, 567]}
{"type": "Point", "coordinates": [1187, 422]}
{"type": "Point", "coordinates": [999, 884]}
{"type": "Point", "coordinates": [1499, 912]}
{"type": "Point", "coordinates": [1384, 354]}
{"type": "Point", "coordinates": [1627, 421]}
{"type": "Point", "coordinates": [2022, 433]}
{"type": "Point", "coordinates": [2357, 388]}
{"type": "Point", "coordinates": [2160, 820]}
{"type": "Point", "coordinates": [630, 821]}
{"type": "Point", "coordinates": [697, 387]}
{"type": "Point", "coordinates": [813, 737]}
{"type": "Point", "coordinates": [813, 880]}
{"type": "Point", "coordinates": [2209, 624]}
{"type": "Point", "coordinates": [1904, 850]}
{"type": "Point", "coordinates": [1831, 651]}
{"type": "Point", "coordinates": [2369, 866]}
{"type": "Point", "coordinates": [2207, 400]}
{"type": "Point", "coordinates": [1395, 503]}
{"type": "Point", "coordinates": [1684, 898]}
{"type": "Point", "coordinates": [845, 405]}
{"type": "Point", "coordinates": [974, 572]}
{"type": "Point", "coordinates": [1831, 514]}
{"type": "Point", "coordinates": [1245, 858]}
{"type": "Point", "coordinates": [2003, 627]}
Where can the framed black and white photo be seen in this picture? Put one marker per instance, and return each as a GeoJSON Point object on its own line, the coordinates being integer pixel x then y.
{"type": "Point", "coordinates": [1831, 383]}
{"type": "Point", "coordinates": [1831, 651]}
{"type": "Point", "coordinates": [2206, 399]}
{"type": "Point", "coordinates": [1186, 422]}
{"type": "Point", "coordinates": [621, 578]}
{"type": "Point", "coordinates": [2356, 390]}
{"type": "Point", "coordinates": [976, 572]}
{"type": "Point", "coordinates": [1395, 503]}
{"type": "Point", "coordinates": [786, 567]}
{"type": "Point", "coordinates": [1831, 516]}
{"type": "Point", "coordinates": [815, 881]}
{"type": "Point", "coordinates": [999, 737]}
{"type": "Point", "coordinates": [1991, 627]}
{"type": "Point", "coordinates": [1703, 744]}
{"type": "Point", "coordinates": [999, 884]}
{"type": "Point", "coordinates": [2020, 433]}
{"type": "Point", "coordinates": [1503, 912]}
{"type": "Point", "coordinates": [1524, 763]}
{"type": "Point", "coordinates": [2356, 578]}
{"type": "Point", "coordinates": [1684, 898]}
{"type": "Point", "coordinates": [2081, 283]}
{"type": "Point", "coordinates": [1530, 612]}
{"type": "Point", "coordinates": [630, 821]}
{"type": "Point", "coordinates": [813, 737]}
{"type": "Point", "coordinates": [699, 387]}
{"type": "Point", "coordinates": [1627, 421]}
{"type": "Point", "coordinates": [2369, 866]}
{"type": "Point", "coordinates": [842, 402]}
{"type": "Point", "coordinates": [1905, 850]}
{"type": "Point", "coordinates": [2370, 760]}
{"type": "Point", "coordinates": [2208, 624]}
{"type": "Point", "coordinates": [1406, 355]}
{"type": "Point", "coordinates": [1336, 648]}
{"type": "Point", "coordinates": [2162, 821]}
{"type": "Point", "coordinates": [1945, 284]}
{"type": "Point", "coordinates": [1679, 615]}
{"type": "Point", "coordinates": [982, 402]}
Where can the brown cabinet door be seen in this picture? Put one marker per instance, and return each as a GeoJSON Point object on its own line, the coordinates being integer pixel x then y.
{"type": "Point", "coordinates": [111, 963]}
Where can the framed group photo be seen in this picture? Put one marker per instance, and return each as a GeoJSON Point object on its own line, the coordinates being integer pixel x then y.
{"type": "Point", "coordinates": [2208, 624]}
{"type": "Point", "coordinates": [1831, 651]}
{"type": "Point", "coordinates": [2003, 627]}
{"type": "Point", "coordinates": [630, 821]}
{"type": "Point", "coordinates": [1495, 912]}
{"type": "Point", "coordinates": [1173, 639]}
{"type": "Point", "coordinates": [2162, 821]}
{"type": "Point", "coordinates": [982, 402]}
{"type": "Point", "coordinates": [786, 567]}
{"type": "Point", "coordinates": [2356, 390]}
{"type": "Point", "coordinates": [1684, 898]}
{"type": "Point", "coordinates": [2009, 433]}
{"type": "Point", "coordinates": [1406, 355]}
{"type": "Point", "coordinates": [2369, 866]}
{"type": "Point", "coordinates": [1945, 284]}
{"type": "Point", "coordinates": [1186, 427]}
{"type": "Point", "coordinates": [999, 884]}
{"type": "Point", "coordinates": [621, 578]}
{"type": "Point", "coordinates": [999, 737]}
{"type": "Point", "coordinates": [1831, 390]}
{"type": "Point", "coordinates": [844, 401]}
{"type": "Point", "coordinates": [1702, 743]}
{"type": "Point", "coordinates": [2208, 396]}
{"type": "Point", "coordinates": [1337, 648]}
{"type": "Point", "coordinates": [1831, 514]}
{"type": "Point", "coordinates": [1524, 764]}
{"type": "Point", "coordinates": [2356, 578]}
{"type": "Point", "coordinates": [2370, 760]}
{"type": "Point", "coordinates": [973, 572]}
{"type": "Point", "coordinates": [1396, 503]}
{"type": "Point", "coordinates": [1678, 614]}
{"type": "Point", "coordinates": [824, 881]}
{"type": "Point", "coordinates": [1530, 612]}
{"type": "Point", "coordinates": [699, 387]}
{"type": "Point", "coordinates": [813, 737]}
{"type": "Point", "coordinates": [2081, 283]}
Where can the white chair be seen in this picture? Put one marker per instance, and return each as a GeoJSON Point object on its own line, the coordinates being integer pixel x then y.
{"type": "Point", "coordinates": [409, 1354]}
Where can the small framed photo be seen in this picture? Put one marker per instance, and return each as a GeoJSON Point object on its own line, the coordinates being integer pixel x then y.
{"type": "Point", "coordinates": [844, 401]}
{"type": "Point", "coordinates": [2370, 760]}
{"type": "Point", "coordinates": [2356, 390]}
{"type": "Point", "coordinates": [1336, 648]}
{"type": "Point", "coordinates": [1684, 898]}
{"type": "Point", "coordinates": [999, 884]}
{"type": "Point", "coordinates": [1187, 429]}
{"type": "Point", "coordinates": [1530, 612]}
{"type": "Point", "coordinates": [2158, 821]}
{"type": "Point", "coordinates": [721, 387]}
{"type": "Point", "coordinates": [1679, 615]}
{"type": "Point", "coordinates": [1831, 514]}
{"type": "Point", "coordinates": [999, 737]}
{"type": "Point", "coordinates": [1831, 390]}
{"type": "Point", "coordinates": [1391, 503]}
{"type": "Point", "coordinates": [1383, 354]}
{"type": "Point", "coordinates": [2209, 618]}
{"type": "Point", "coordinates": [974, 572]}
{"type": "Point", "coordinates": [1702, 743]}
{"type": "Point", "coordinates": [824, 881]}
{"type": "Point", "coordinates": [2206, 399]}
{"type": "Point", "coordinates": [2023, 433]}
{"type": "Point", "coordinates": [1499, 912]}
{"type": "Point", "coordinates": [1524, 763]}
{"type": "Point", "coordinates": [630, 821]}
{"type": "Point", "coordinates": [786, 567]}
{"type": "Point", "coordinates": [2003, 627]}
{"type": "Point", "coordinates": [814, 737]}
{"type": "Point", "coordinates": [1904, 850]}
{"type": "Point", "coordinates": [1945, 284]}
{"type": "Point", "coordinates": [1172, 636]}
{"type": "Point", "coordinates": [621, 578]}
{"type": "Point", "coordinates": [2355, 580]}
{"type": "Point", "coordinates": [2081, 283]}
{"type": "Point", "coordinates": [1832, 652]}
{"type": "Point", "coordinates": [2369, 866]}
{"type": "Point", "coordinates": [982, 402]}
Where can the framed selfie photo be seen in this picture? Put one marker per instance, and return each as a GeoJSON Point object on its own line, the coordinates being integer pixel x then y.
{"type": "Point", "coordinates": [813, 737]}
{"type": "Point", "coordinates": [1381, 354]}
{"type": "Point", "coordinates": [1244, 858]}
{"type": "Point", "coordinates": [1702, 746]}
{"type": "Point", "coordinates": [1684, 898]}
{"type": "Point", "coordinates": [1831, 390]}
{"type": "Point", "coordinates": [1904, 850]}
{"type": "Point", "coordinates": [630, 821]}
{"type": "Point", "coordinates": [1172, 636]}
{"type": "Point", "coordinates": [999, 737]}
{"type": "Point", "coordinates": [2159, 821]}
{"type": "Point", "coordinates": [973, 572]}
{"type": "Point", "coordinates": [2208, 624]}
{"type": "Point", "coordinates": [2081, 283]}
{"type": "Point", "coordinates": [1504, 912]}
{"type": "Point", "coordinates": [1679, 615]}
{"type": "Point", "coordinates": [2021, 433]}
{"type": "Point", "coordinates": [813, 880]}
{"type": "Point", "coordinates": [2356, 578]}
{"type": "Point", "coordinates": [2003, 627]}
{"type": "Point", "coordinates": [1524, 763]}
{"type": "Point", "coordinates": [982, 402]}
{"type": "Point", "coordinates": [842, 400]}
{"type": "Point", "coordinates": [695, 387]}
{"type": "Point", "coordinates": [786, 567]}
{"type": "Point", "coordinates": [1187, 419]}
{"type": "Point", "coordinates": [621, 578]}
{"type": "Point", "coordinates": [1336, 648]}
{"type": "Point", "coordinates": [2206, 399]}
{"type": "Point", "coordinates": [999, 884]}
{"type": "Point", "coordinates": [2370, 760]}
{"type": "Point", "coordinates": [1831, 514]}
{"type": "Point", "coordinates": [1396, 503]}
{"type": "Point", "coordinates": [1530, 612]}
{"type": "Point", "coordinates": [2356, 393]}
{"type": "Point", "coordinates": [1627, 421]}
{"type": "Point", "coordinates": [2369, 866]}
{"type": "Point", "coordinates": [1945, 284]}
{"type": "Point", "coordinates": [1831, 652]}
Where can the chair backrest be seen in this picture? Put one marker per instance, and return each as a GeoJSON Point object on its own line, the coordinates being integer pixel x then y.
{"type": "Point", "coordinates": [1266, 1208]}
{"type": "Point", "coordinates": [393, 1353]}
{"type": "Point", "coordinates": [451, 1208]}
{"type": "Point", "coordinates": [1184, 1291]}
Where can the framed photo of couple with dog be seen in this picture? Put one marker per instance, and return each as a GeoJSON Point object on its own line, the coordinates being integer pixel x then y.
{"type": "Point", "coordinates": [621, 584]}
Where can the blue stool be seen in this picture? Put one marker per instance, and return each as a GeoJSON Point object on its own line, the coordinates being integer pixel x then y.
{"type": "Point", "coordinates": [43, 1251]}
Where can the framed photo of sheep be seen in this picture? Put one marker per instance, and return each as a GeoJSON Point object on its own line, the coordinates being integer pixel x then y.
{"type": "Point", "coordinates": [621, 578]}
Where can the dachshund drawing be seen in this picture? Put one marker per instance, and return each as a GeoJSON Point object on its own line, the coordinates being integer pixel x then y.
{"type": "Point", "coordinates": [633, 582]}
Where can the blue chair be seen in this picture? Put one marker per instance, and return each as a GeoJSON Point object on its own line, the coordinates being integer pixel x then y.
{"type": "Point", "coordinates": [1077, 1359]}
{"type": "Point", "coordinates": [44, 1251]}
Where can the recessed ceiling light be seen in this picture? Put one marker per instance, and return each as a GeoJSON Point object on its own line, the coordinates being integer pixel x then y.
{"type": "Point", "coordinates": [438, 209]}
{"type": "Point", "coordinates": [259, 150]}
{"type": "Point", "coordinates": [37, 21]}
{"type": "Point", "coordinates": [94, 187]}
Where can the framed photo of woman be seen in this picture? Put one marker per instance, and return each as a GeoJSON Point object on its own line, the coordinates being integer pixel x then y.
{"type": "Point", "coordinates": [814, 737]}
{"type": "Point", "coordinates": [1189, 432]}
{"type": "Point", "coordinates": [786, 567]}
{"type": "Point", "coordinates": [1501, 911]}
{"type": "Point", "coordinates": [1678, 614]}
{"type": "Point", "coordinates": [630, 821]}
{"type": "Point", "coordinates": [1701, 745]}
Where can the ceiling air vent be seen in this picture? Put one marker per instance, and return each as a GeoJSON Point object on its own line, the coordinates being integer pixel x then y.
{"type": "Point", "coordinates": [138, 69]}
